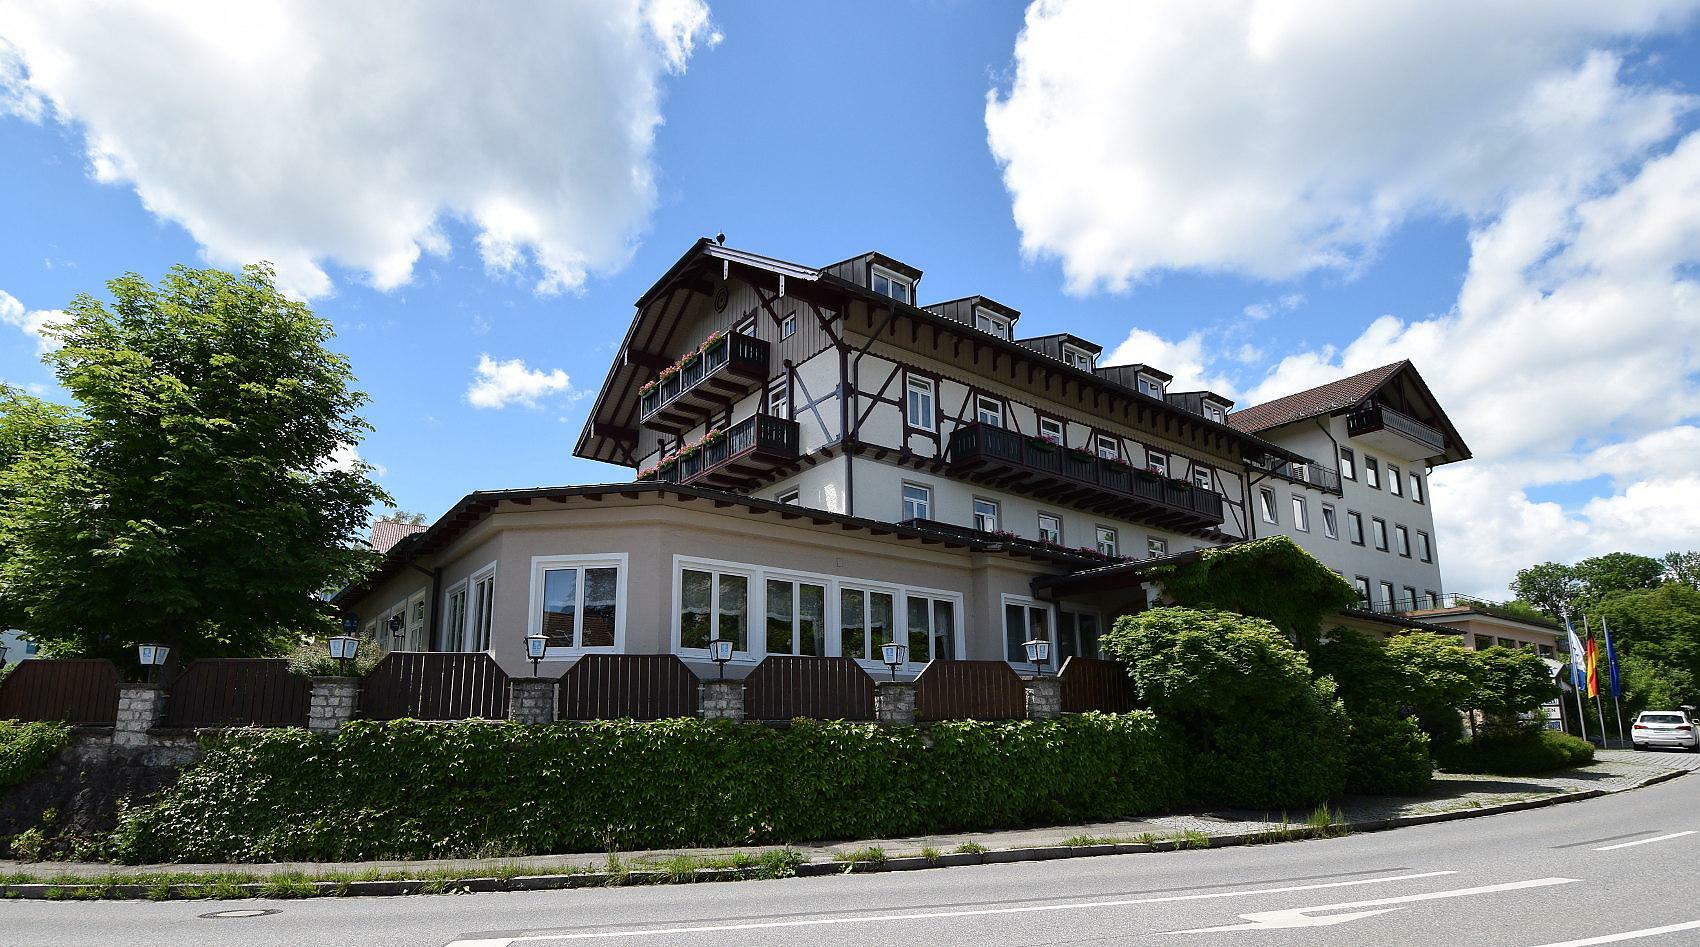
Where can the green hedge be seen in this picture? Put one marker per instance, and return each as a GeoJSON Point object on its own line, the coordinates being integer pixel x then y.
{"type": "Point", "coordinates": [406, 789]}
{"type": "Point", "coordinates": [26, 747]}
{"type": "Point", "coordinates": [1516, 753]}
{"type": "Point", "coordinates": [1388, 755]}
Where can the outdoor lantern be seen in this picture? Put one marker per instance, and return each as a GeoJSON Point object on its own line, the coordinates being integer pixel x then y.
{"type": "Point", "coordinates": [153, 658]}
{"type": "Point", "coordinates": [344, 648]}
{"type": "Point", "coordinates": [720, 650]}
{"type": "Point", "coordinates": [894, 655]}
{"type": "Point", "coordinates": [534, 647]}
{"type": "Point", "coordinates": [1038, 651]}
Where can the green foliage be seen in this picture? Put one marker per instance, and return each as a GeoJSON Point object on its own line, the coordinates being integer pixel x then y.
{"type": "Point", "coordinates": [1683, 568]}
{"type": "Point", "coordinates": [406, 789]}
{"type": "Point", "coordinates": [1245, 701]}
{"type": "Point", "coordinates": [1269, 578]}
{"type": "Point", "coordinates": [1552, 587]}
{"type": "Point", "coordinates": [1440, 677]}
{"type": "Point", "coordinates": [1388, 756]}
{"type": "Point", "coordinates": [1660, 625]}
{"type": "Point", "coordinates": [1510, 681]}
{"type": "Point", "coordinates": [26, 747]}
{"type": "Point", "coordinates": [191, 498]}
{"type": "Point", "coordinates": [1516, 753]}
{"type": "Point", "coordinates": [1365, 675]}
{"type": "Point", "coordinates": [1649, 685]}
{"type": "Point", "coordinates": [313, 659]}
{"type": "Point", "coordinates": [1615, 572]}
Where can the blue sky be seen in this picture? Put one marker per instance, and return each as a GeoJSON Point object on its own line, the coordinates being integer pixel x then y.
{"type": "Point", "coordinates": [813, 131]}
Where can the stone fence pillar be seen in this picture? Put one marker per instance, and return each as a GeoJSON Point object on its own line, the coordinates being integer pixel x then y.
{"type": "Point", "coordinates": [532, 700]}
{"type": "Point", "coordinates": [894, 702]}
{"type": "Point", "coordinates": [1044, 698]}
{"type": "Point", "coordinates": [332, 703]}
{"type": "Point", "coordinates": [721, 700]}
{"type": "Point", "coordinates": [141, 707]}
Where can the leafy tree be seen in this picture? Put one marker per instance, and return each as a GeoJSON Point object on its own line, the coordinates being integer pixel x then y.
{"type": "Point", "coordinates": [1271, 578]}
{"type": "Point", "coordinates": [1438, 678]}
{"type": "Point", "coordinates": [33, 434]}
{"type": "Point", "coordinates": [1614, 572]}
{"type": "Point", "coordinates": [1552, 587]}
{"type": "Point", "coordinates": [1683, 568]}
{"type": "Point", "coordinates": [1509, 682]}
{"type": "Point", "coordinates": [1660, 626]}
{"type": "Point", "coordinates": [1650, 685]}
{"type": "Point", "coordinates": [191, 499]}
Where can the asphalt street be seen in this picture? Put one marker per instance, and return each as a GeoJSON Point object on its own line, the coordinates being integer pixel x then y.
{"type": "Point", "coordinates": [1618, 869]}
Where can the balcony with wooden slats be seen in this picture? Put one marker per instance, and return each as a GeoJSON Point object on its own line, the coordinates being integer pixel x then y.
{"type": "Point", "coordinates": [743, 457]}
{"type": "Point", "coordinates": [1399, 434]}
{"type": "Point", "coordinates": [713, 380]}
{"type": "Point", "coordinates": [1011, 461]}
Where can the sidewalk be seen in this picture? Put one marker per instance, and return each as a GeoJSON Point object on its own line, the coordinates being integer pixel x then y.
{"type": "Point", "coordinates": [1452, 795]}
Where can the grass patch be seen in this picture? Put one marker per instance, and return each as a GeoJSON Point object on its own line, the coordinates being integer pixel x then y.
{"type": "Point", "coordinates": [1082, 841]}
{"type": "Point", "coordinates": [969, 848]}
{"type": "Point", "coordinates": [871, 855]}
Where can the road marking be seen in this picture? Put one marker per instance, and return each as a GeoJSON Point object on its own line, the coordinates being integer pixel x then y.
{"type": "Point", "coordinates": [1646, 841]}
{"type": "Point", "coordinates": [1300, 917]}
{"type": "Point", "coordinates": [931, 915]}
{"type": "Point", "coordinates": [1609, 838]}
{"type": "Point", "coordinates": [1629, 935]}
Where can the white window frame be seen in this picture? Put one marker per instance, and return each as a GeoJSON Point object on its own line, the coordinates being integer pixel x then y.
{"type": "Point", "coordinates": [931, 597]}
{"type": "Point", "coordinates": [753, 635]}
{"type": "Point", "coordinates": [899, 618]}
{"type": "Point", "coordinates": [1150, 382]}
{"type": "Point", "coordinates": [454, 638]}
{"type": "Point", "coordinates": [1113, 445]}
{"type": "Point", "coordinates": [788, 327]}
{"type": "Point", "coordinates": [893, 278]}
{"type": "Point", "coordinates": [1330, 522]}
{"type": "Point", "coordinates": [473, 632]}
{"type": "Point", "coordinates": [980, 519]}
{"type": "Point", "coordinates": [746, 326]}
{"type": "Point", "coordinates": [581, 562]}
{"type": "Point", "coordinates": [1076, 357]}
{"type": "Point", "coordinates": [1301, 513]}
{"type": "Point", "coordinates": [1154, 465]}
{"type": "Point", "coordinates": [1214, 412]}
{"type": "Point", "coordinates": [1156, 547]}
{"type": "Point", "coordinates": [980, 412]}
{"type": "Point", "coordinates": [757, 575]}
{"type": "Point", "coordinates": [827, 611]}
{"type": "Point", "coordinates": [789, 497]}
{"type": "Point", "coordinates": [1029, 606]}
{"type": "Point", "coordinates": [1059, 439]}
{"type": "Point", "coordinates": [779, 399]}
{"type": "Point", "coordinates": [917, 386]}
{"type": "Point", "coordinates": [1203, 479]}
{"type": "Point", "coordinates": [1266, 505]}
{"type": "Point", "coordinates": [904, 501]}
{"type": "Point", "coordinates": [1057, 533]}
{"type": "Point", "coordinates": [1099, 532]}
{"type": "Point", "coordinates": [991, 323]}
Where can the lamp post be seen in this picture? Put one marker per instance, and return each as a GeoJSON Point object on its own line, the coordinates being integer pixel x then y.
{"type": "Point", "coordinates": [894, 655]}
{"type": "Point", "coordinates": [535, 644]}
{"type": "Point", "coordinates": [344, 648]}
{"type": "Point", "coordinates": [152, 657]}
{"type": "Point", "coordinates": [720, 651]}
{"type": "Point", "coordinates": [398, 629]}
{"type": "Point", "coordinates": [1038, 653]}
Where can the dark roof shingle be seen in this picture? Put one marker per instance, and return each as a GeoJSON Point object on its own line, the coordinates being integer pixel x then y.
{"type": "Point", "coordinates": [1323, 399]}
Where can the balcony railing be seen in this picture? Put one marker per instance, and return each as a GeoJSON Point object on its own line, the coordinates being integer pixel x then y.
{"type": "Point", "coordinates": [1015, 462]}
{"type": "Point", "coordinates": [1375, 417]}
{"type": "Point", "coordinates": [1425, 605]}
{"type": "Point", "coordinates": [711, 380]}
{"type": "Point", "coordinates": [1326, 479]}
{"type": "Point", "coordinates": [747, 452]}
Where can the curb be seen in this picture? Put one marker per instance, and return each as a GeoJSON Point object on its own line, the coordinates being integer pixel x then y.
{"type": "Point", "coordinates": [556, 882]}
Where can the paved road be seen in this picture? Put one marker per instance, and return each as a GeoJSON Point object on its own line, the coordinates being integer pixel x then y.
{"type": "Point", "coordinates": [1562, 876]}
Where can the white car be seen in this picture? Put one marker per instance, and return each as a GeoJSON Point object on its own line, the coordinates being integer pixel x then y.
{"type": "Point", "coordinates": [1665, 728]}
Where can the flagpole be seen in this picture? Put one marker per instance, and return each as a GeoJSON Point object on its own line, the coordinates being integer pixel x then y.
{"type": "Point", "coordinates": [1611, 666]}
{"type": "Point", "coordinates": [1571, 645]}
{"type": "Point", "coordinates": [1594, 680]}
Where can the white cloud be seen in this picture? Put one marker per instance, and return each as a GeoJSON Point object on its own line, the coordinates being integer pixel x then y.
{"type": "Point", "coordinates": [1184, 359]}
{"type": "Point", "coordinates": [31, 322]}
{"type": "Point", "coordinates": [499, 384]}
{"type": "Point", "coordinates": [347, 457]}
{"type": "Point", "coordinates": [1259, 311]}
{"type": "Point", "coordinates": [1272, 137]}
{"type": "Point", "coordinates": [314, 132]}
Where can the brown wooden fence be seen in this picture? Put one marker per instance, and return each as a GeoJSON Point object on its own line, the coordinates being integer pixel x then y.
{"type": "Point", "coordinates": [969, 690]}
{"type": "Point", "coordinates": [782, 687]}
{"type": "Point", "coordinates": [237, 692]}
{"type": "Point", "coordinates": [638, 686]}
{"type": "Point", "coordinates": [76, 690]}
{"type": "Point", "coordinates": [435, 685]}
{"type": "Point", "coordinates": [1096, 684]}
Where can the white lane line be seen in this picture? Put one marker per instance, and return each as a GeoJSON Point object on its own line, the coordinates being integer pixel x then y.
{"type": "Point", "coordinates": [1301, 917]}
{"type": "Point", "coordinates": [1646, 841]}
{"type": "Point", "coordinates": [1628, 935]}
{"type": "Point", "coordinates": [931, 915]}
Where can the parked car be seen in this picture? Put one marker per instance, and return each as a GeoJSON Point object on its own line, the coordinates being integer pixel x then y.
{"type": "Point", "coordinates": [1665, 728]}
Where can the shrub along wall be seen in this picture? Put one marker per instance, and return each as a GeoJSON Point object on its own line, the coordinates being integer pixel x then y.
{"type": "Point", "coordinates": [26, 747]}
{"type": "Point", "coordinates": [406, 789]}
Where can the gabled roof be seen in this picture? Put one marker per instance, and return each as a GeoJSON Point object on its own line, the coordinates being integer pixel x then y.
{"type": "Point", "coordinates": [1314, 402]}
{"type": "Point", "coordinates": [386, 533]}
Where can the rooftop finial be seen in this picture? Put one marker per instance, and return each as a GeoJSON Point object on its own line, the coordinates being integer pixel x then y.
{"type": "Point", "coordinates": [720, 238]}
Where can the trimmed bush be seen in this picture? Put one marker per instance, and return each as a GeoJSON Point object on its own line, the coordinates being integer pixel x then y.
{"type": "Point", "coordinates": [1260, 732]}
{"type": "Point", "coordinates": [1520, 752]}
{"type": "Point", "coordinates": [1388, 756]}
{"type": "Point", "coordinates": [26, 747]}
{"type": "Point", "coordinates": [407, 789]}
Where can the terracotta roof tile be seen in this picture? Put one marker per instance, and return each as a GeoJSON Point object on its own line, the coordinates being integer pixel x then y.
{"type": "Point", "coordinates": [1323, 399]}
{"type": "Point", "coordinates": [385, 534]}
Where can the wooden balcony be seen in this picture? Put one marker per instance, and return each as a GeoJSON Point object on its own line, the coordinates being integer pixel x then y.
{"type": "Point", "coordinates": [1399, 434]}
{"type": "Point", "coordinates": [1014, 462]}
{"type": "Point", "coordinates": [728, 369]}
{"type": "Point", "coordinates": [750, 450]}
{"type": "Point", "coordinates": [1311, 474]}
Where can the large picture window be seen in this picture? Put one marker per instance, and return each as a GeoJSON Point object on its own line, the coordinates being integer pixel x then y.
{"type": "Point", "coordinates": [714, 606]}
{"type": "Point", "coordinates": [1023, 620]}
{"type": "Point", "coordinates": [932, 628]}
{"type": "Point", "coordinates": [576, 602]}
{"type": "Point", "coordinates": [796, 617]}
{"type": "Point", "coordinates": [864, 622]}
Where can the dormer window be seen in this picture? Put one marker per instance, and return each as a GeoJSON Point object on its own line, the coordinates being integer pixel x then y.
{"type": "Point", "coordinates": [1215, 413]}
{"type": "Point", "coordinates": [991, 323]}
{"type": "Point", "coordinates": [1150, 386]}
{"type": "Point", "coordinates": [1077, 358]}
{"type": "Point", "coordinates": [889, 284]}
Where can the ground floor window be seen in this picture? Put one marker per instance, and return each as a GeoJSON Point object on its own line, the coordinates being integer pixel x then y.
{"type": "Point", "coordinates": [454, 620]}
{"type": "Point", "coordinates": [1077, 636]}
{"type": "Point", "coordinates": [714, 606]}
{"type": "Point", "coordinates": [932, 628]}
{"type": "Point", "coordinates": [482, 617]}
{"type": "Point", "coordinates": [796, 617]}
{"type": "Point", "coordinates": [1023, 620]}
{"type": "Point", "coordinates": [864, 622]}
{"type": "Point", "coordinates": [576, 602]}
